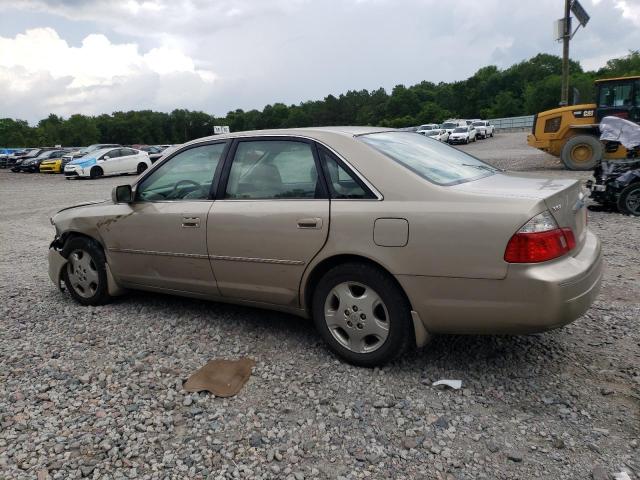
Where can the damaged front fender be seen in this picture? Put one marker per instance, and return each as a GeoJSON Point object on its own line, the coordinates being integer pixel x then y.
{"type": "Point", "coordinates": [57, 262]}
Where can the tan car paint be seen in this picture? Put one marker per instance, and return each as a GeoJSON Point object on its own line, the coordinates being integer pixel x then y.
{"type": "Point", "coordinates": [452, 266]}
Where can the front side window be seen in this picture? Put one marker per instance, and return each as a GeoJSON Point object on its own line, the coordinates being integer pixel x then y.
{"type": "Point", "coordinates": [267, 169]}
{"type": "Point", "coordinates": [111, 154]}
{"type": "Point", "coordinates": [433, 161]}
{"type": "Point", "coordinates": [187, 176]}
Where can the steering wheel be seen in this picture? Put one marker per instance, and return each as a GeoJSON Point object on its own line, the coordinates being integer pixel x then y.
{"type": "Point", "coordinates": [179, 184]}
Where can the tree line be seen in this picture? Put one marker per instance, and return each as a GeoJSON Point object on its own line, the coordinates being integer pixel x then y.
{"type": "Point", "coordinates": [522, 89]}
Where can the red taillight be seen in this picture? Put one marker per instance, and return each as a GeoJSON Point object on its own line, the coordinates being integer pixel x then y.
{"type": "Point", "coordinates": [539, 246]}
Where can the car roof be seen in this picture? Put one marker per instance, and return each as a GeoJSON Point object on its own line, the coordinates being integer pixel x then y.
{"type": "Point", "coordinates": [311, 132]}
{"type": "Point", "coordinates": [100, 151]}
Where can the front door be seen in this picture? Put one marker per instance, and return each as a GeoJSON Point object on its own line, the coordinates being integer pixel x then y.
{"type": "Point", "coordinates": [270, 219]}
{"type": "Point", "coordinates": [161, 241]}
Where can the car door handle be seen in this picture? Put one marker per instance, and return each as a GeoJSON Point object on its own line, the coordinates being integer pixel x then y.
{"type": "Point", "coordinates": [312, 223]}
{"type": "Point", "coordinates": [190, 222]}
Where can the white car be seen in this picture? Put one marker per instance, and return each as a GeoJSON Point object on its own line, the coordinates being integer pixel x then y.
{"type": "Point", "coordinates": [484, 128]}
{"type": "Point", "coordinates": [108, 161]}
{"type": "Point", "coordinates": [464, 134]}
{"type": "Point", "coordinates": [427, 126]}
{"type": "Point", "coordinates": [437, 134]}
{"type": "Point", "coordinates": [451, 125]}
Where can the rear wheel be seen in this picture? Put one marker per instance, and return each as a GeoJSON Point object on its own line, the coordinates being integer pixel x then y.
{"type": "Point", "coordinates": [629, 200]}
{"type": "Point", "coordinates": [362, 314]}
{"type": "Point", "coordinates": [141, 168]}
{"type": "Point", "coordinates": [581, 152]}
{"type": "Point", "coordinates": [85, 273]}
{"type": "Point", "coordinates": [96, 172]}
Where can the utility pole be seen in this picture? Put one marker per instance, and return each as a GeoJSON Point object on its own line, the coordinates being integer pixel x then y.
{"type": "Point", "coordinates": [564, 95]}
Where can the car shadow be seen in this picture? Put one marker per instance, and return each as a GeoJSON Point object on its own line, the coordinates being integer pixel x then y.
{"type": "Point", "coordinates": [445, 356]}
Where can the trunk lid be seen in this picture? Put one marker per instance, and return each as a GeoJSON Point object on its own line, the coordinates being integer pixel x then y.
{"type": "Point", "coordinates": [562, 197]}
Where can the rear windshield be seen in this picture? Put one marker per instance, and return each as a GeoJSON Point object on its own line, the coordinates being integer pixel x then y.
{"type": "Point", "coordinates": [434, 161]}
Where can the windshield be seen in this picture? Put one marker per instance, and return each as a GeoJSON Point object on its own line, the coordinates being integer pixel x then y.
{"type": "Point", "coordinates": [449, 125]}
{"type": "Point", "coordinates": [433, 133]}
{"type": "Point", "coordinates": [460, 130]}
{"type": "Point", "coordinates": [478, 124]}
{"type": "Point", "coordinates": [433, 161]}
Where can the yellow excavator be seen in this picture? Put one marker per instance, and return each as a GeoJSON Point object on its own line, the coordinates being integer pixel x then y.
{"type": "Point", "coordinates": [572, 132]}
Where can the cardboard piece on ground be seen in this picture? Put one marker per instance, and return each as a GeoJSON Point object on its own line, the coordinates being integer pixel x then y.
{"type": "Point", "coordinates": [223, 378]}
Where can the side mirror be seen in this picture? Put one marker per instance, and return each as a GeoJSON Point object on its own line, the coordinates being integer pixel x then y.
{"type": "Point", "coordinates": [122, 194]}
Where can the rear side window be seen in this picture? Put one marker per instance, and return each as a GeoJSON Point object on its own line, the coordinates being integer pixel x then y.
{"type": "Point", "coordinates": [433, 161]}
{"type": "Point", "coordinates": [342, 183]}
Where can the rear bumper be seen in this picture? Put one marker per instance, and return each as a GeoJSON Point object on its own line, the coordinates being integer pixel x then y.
{"type": "Point", "coordinates": [532, 297]}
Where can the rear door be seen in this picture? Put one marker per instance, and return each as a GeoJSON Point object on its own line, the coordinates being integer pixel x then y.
{"type": "Point", "coordinates": [127, 161]}
{"type": "Point", "coordinates": [270, 218]}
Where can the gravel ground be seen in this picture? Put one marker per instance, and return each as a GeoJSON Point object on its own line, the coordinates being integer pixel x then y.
{"type": "Point", "coordinates": [96, 392]}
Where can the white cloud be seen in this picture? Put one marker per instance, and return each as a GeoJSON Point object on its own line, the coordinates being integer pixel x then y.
{"type": "Point", "coordinates": [96, 62]}
{"type": "Point", "coordinates": [91, 76]}
{"type": "Point", "coordinates": [266, 51]}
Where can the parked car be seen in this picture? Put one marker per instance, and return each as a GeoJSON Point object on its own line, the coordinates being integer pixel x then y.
{"type": "Point", "coordinates": [16, 162]}
{"type": "Point", "coordinates": [32, 165]}
{"type": "Point", "coordinates": [108, 161]}
{"type": "Point", "coordinates": [154, 151]}
{"type": "Point", "coordinates": [244, 218]}
{"type": "Point", "coordinates": [617, 184]}
{"type": "Point", "coordinates": [464, 135]}
{"type": "Point", "coordinates": [53, 162]}
{"type": "Point", "coordinates": [437, 134]}
{"type": "Point", "coordinates": [427, 127]}
{"type": "Point", "coordinates": [484, 128]}
{"type": "Point", "coordinates": [87, 150]}
{"type": "Point", "coordinates": [451, 125]}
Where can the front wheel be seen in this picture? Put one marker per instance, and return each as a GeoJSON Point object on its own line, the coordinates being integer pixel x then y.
{"type": "Point", "coordinates": [85, 274]}
{"type": "Point", "coordinates": [362, 314]}
{"type": "Point", "coordinates": [582, 152]}
{"type": "Point", "coordinates": [96, 172]}
{"type": "Point", "coordinates": [629, 200]}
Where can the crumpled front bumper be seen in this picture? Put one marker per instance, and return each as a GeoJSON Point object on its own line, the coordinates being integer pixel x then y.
{"type": "Point", "coordinates": [56, 264]}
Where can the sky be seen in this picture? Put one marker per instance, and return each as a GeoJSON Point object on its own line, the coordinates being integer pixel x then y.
{"type": "Point", "coordinates": [100, 56]}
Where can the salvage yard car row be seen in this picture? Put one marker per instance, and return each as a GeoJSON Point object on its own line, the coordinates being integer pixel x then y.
{"type": "Point", "coordinates": [455, 131]}
{"type": "Point", "coordinates": [89, 162]}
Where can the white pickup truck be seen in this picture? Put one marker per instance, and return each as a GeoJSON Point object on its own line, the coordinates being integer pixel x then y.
{"type": "Point", "coordinates": [484, 128]}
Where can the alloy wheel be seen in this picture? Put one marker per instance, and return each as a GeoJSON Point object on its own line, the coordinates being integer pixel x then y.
{"type": "Point", "coordinates": [357, 317]}
{"type": "Point", "coordinates": [83, 273]}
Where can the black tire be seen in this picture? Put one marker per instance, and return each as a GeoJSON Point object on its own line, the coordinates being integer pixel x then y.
{"type": "Point", "coordinates": [141, 168]}
{"type": "Point", "coordinates": [96, 172]}
{"type": "Point", "coordinates": [582, 152]}
{"type": "Point", "coordinates": [399, 326]}
{"type": "Point", "coordinates": [629, 200]}
{"type": "Point", "coordinates": [91, 264]}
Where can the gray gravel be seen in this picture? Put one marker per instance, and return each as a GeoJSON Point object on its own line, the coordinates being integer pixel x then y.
{"type": "Point", "coordinates": [96, 392]}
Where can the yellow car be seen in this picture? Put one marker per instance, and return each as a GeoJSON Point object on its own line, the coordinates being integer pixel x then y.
{"type": "Point", "coordinates": [52, 165]}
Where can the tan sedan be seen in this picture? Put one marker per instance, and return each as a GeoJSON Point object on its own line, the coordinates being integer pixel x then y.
{"type": "Point", "coordinates": [382, 237]}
